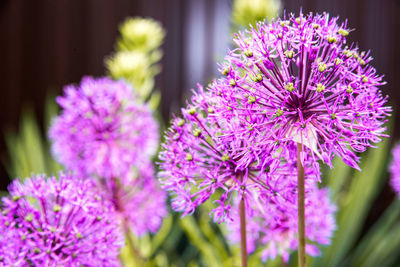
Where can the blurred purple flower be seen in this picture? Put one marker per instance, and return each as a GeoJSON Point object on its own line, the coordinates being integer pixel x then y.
{"type": "Point", "coordinates": [58, 222]}
{"type": "Point", "coordinates": [394, 169]}
{"type": "Point", "coordinates": [102, 131]}
{"type": "Point", "coordinates": [273, 223]}
{"type": "Point", "coordinates": [298, 80]}
{"type": "Point", "coordinates": [197, 163]}
{"type": "Point", "coordinates": [138, 199]}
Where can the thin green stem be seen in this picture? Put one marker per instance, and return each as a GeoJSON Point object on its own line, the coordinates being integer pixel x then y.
{"type": "Point", "coordinates": [131, 243]}
{"type": "Point", "coordinates": [243, 241]}
{"type": "Point", "coordinates": [301, 209]}
{"type": "Point", "coordinates": [119, 207]}
{"type": "Point", "coordinates": [283, 262]}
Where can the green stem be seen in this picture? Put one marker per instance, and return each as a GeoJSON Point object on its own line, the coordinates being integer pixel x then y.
{"type": "Point", "coordinates": [119, 207]}
{"type": "Point", "coordinates": [301, 208]}
{"type": "Point", "coordinates": [243, 241]}
{"type": "Point", "coordinates": [131, 243]}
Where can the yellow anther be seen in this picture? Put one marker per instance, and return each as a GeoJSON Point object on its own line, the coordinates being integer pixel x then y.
{"type": "Point", "coordinates": [322, 67]}
{"type": "Point", "coordinates": [248, 53]}
{"type": "Point", "coordinates": [180, 122]}
{"type": "Point", "coordinates": [251, 99]}
{"type": "Point", "coordinates": [320, 87]}
{"type": "Point", "coordinates": [289, 54]}
{"type": "Point", "coordinates": [331, 39]}
{"type": "Point", "coordinates": [349, 89]}
{"type": "Point", "coordinates": [338, 61]}
{"type": "Point", "coordinates": [196, 132]}
{"type": "Point", "coordinates": [56, 208]}
{"type": "Point", "coordinates": [257, 78]}
{"type": "Point", "coordinates": [279, 113]}
{"type": "Point", "coordinates": [343, 32]}
{"type": "Point", "coordinates": [225, 157]}
{"type": "Point", "coordinates": [189, 157]}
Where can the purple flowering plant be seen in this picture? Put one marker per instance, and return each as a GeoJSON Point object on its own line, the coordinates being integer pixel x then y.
{"type": "Point", "coordinates": [102, 130]}
{"type": "Point", "coordinates": [50, 221]}
{"type": "Point", "coordinates": [130, 197]}
{"type": "Point", "coordinates": [105, 134]}
{"type": "Point", "coordinates": [294, 93]}
{"type": "Point", "coordinates": [298, 79]}
{"type": "Point", "coordinates": [291, 85]}
{"type": "Point", "coordinates": [196, 163]}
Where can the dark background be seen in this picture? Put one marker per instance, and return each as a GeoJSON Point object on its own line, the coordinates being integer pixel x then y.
{"type": "Point", "coordinates": [46, 44]}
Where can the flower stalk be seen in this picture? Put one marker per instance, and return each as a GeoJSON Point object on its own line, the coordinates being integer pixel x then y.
{"type": "Point", "coordinates": [301, 209]}
{"type": "Point", "coordinates": [125, 222]}
{"type": "Point", "coordinates": [243, 241]}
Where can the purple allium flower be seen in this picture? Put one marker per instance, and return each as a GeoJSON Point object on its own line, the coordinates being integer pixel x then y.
{"type": "Point", "coordinates": [196, 162]}
{"type": "Point", "coordinates": [11, 253]}
{"type": "Point", "coordinates": [138, 200]}
{"type": "Point", "coordinates": [394, 169]}
{"type": "Point", "coordinates": [298, 80]}
{"type": "Point", "coordinates": [273, 225]}
{"type": "Point", "coordinates": [55, 222]}
{"type": "Point", "coordinates": [102, 131]}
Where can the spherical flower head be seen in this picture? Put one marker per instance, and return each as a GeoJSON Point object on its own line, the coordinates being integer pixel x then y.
{"type": "Point", "coordinates": [394, 169]}
{"type": "Point", "coordinates": [11, 253]}
{"type": "Point", "coordinates": [58, 222]}
{"type": "Point", "coordinates": [273, 224]}
{"type": "Point", "coordinates": [245, 12]}
{"type": "Point", "coordinates": [139, 201]}
{"type": "Point", "coordinates": [197, 164]}
{"type": "Point", "coordinates": [142, 34]}
{"type": "Point", "coordinates": [102, 130]}
{"type": "Point", "coordinates": [297, 79]}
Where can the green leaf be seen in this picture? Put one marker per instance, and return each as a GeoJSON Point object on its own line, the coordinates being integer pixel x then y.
{"type": "Point", "coordinates": [355, 204]}
{"type": "Point", "coordinates": [376, 236]}
{"type": "Point", "coordinates": [191, 228]}
{"type": "Point", "coordinates": [162, 234]}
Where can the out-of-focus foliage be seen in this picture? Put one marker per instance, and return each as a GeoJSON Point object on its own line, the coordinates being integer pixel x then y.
{"type": "Point", "coordinates": [29, 150]}
{"type": "Point", "coordinates": [137, 55]}
{"type": "Point", "coordinates": [246, 12]}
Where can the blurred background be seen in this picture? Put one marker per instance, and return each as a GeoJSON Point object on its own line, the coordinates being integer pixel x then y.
{"type": "Point", "coordinates": [47, 44]}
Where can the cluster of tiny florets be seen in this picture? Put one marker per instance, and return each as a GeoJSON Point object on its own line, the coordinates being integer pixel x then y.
{"type": "Point", "coordinates": [105, 134]}
{"type": "Point", "coordinates": [297, 79]}
{"type": "Point", "coordinates": [197, 163]}
{"type": "Point", "coordinates": [50, 221]}
{"type": "Point", "coordinates": [102, 130]}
